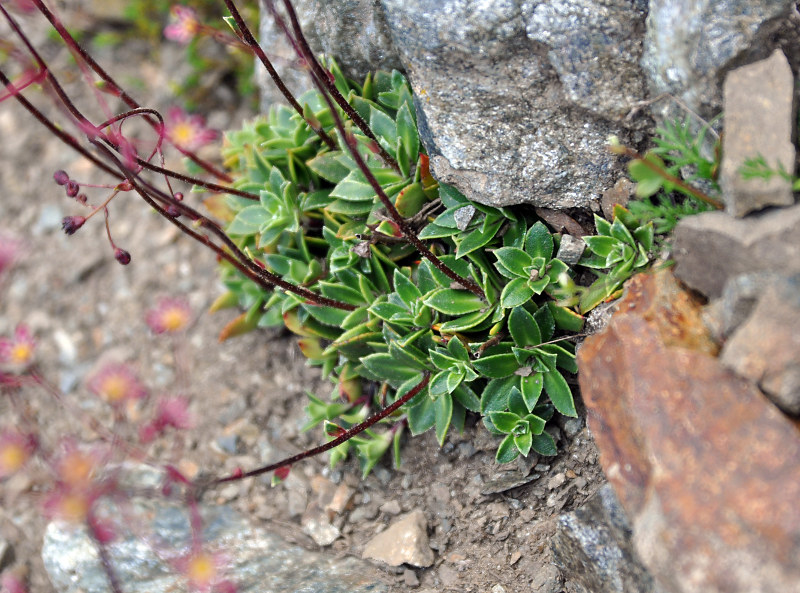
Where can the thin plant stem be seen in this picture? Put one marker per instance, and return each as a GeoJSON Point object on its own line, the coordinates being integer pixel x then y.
{"type": "Point", "coordinates": [346, 436]}
{"type": "Point", "coordinates": [72, 43]}
{"type": "Point", "coordinates": [250, 40]}
{"type": "Point", "coordinates": [301, 45]}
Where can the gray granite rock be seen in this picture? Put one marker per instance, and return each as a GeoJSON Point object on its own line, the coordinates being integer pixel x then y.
{"type": "Point", "coordinates": [492, 111]}
{"type": "Point", "coordinates": [766, 348]}
{"type": "Point", "coordinates": [595, 47]}
{"type": "Point", "coordinates": [570, 249]}
{"type": "Point", "coordinates": [354, 32]}
{"type": "Point", "coordinates": [690, 44]}
{"type": "Point", "coordinates": [593, 548]}
{"type": "Point", "coordinates": [256, 561]}
{"type": "Point", "coordinates": [759, 120]}
{"type": "Point", "coordinates": [712, 247]}
{"type": "Point", "coordinates": [740, 295]}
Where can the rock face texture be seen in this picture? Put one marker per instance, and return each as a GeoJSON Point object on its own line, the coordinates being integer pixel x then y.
{"type": "Point", "coordinates": [255, 561]}
{"type": "Point", "coordinates": [404, 542]}
{"type": "Point", "coordinates": [594, 548]}
{"type": "Point", "coordinates": [758, 122]}
{"type": "Point", "coordinates": [515, 98]}
{"type": "Point", "coordinates": [704, 466]}
{"type": "Point", "coordinates": [712, 247]}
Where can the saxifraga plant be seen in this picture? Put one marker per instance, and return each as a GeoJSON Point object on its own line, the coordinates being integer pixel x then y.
{"type": "Point", "coordinates": [411, 298]}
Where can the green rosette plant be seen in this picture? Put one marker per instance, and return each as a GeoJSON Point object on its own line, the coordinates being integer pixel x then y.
{"type": "Point", "coordinates": [499, 348]}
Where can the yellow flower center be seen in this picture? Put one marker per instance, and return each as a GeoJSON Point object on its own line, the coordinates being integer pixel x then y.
{"type": "Point", "coordinates": [76, 469]}
{"type": "Point", "coordinates": [21, 353]}
{"type": "Point", "coordinates": [12, 457]}
{"type": "Point", "coordinates": [174, 319]}
{"type": "Point", "coordinates": [182, 133]}
{"type": "Point", "coordinates": [114, 388]}
{"type": "Point", "coordinates": [73, 507]}
{"type": "Point", "coordinates": [201, 570]}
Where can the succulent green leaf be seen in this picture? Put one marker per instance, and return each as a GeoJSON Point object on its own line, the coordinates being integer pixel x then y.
{"type": "Point", "coordinates": [248, 220]}
{"type": "Point", "coordinates": [544, 444]}
{"type": "Point", "coordinates": [504, 421]}
{"type": "Point", "coordinates": [406, 288]}
{"type": "Point", "coordinates": [566, 318]}
{"type": "Point", "coordinates": [495, 395]}
{"type": "Point", "coordinates": [477, 239]}
{"type": "Point", "coordinates": [523, 328]}
{"type": "Point", "coordinates": [514, 261]}
{"type": "Point", "coordinates": [454, 302]}
{"type": "Point", "coordinates": [559, 393]}
{"type": "Point", "coordinates": [531, 389]}
{"type": "Point", "coordinates": [496, 366]}
{"type": "Point", "coordinates": [438, 383]}
{"type": "Point", "coordinates": [648, 181]}
{"type": "Point", "coordinates": [466, 322]}
{"type": "Point", "coordinates": [465, 396]}
{"type": "Point", "coordinates": [523, 443]}
{"type": "Point", "coordinates": [384, 128]}
{"type": "Point", "coordinates": [507, 451]}
{"type": "Point", "coordinates": [328, 167]}
{"type": "Point", "coordinates": [457, 349]}
{"type": "Point", "coordinates": [547, 325]}
{"type": "Point", "coordinates": [539, 241]}
{"type": "Point", "coordinates": [516, 404]}
{"type": "Point", "coordinates": [517, 292]}
{"type": "Point", "coordinates": [444, 415]}
{"type": "Point", "coordinates": [407, 131]}
{"type": "Point", "coordinates": [385, 368]}
{"type": "Point", "coordinates": [422, 416]}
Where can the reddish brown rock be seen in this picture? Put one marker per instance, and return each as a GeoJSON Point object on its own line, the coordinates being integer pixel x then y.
{"type": "Point", "coordinates": [706, 468]}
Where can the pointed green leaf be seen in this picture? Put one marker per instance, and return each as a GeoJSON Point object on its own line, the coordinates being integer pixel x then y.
{"type": "Point", "coordinates": [507, 451]}
{"type": "Point", "coordinates": [422, 416]}
{"type": "Point", "coordinates": [444, 414]}
{"type": "Point", "coordinates": [504, 421]}
{"type": "Point", "coordinates": [523, 328]}
{"type": "Point", "coordinates": [513, 260]}
{"type": "Point", "coordinates": [531, 389]}
{"type": "Point", "coordinates": [517, 292]}
{"type": "Point", "coordinates": [496, 366]}
{"type": "Point", "coordinates": [454, 302]}
{"type": "Point", "coordinates": [539, 241]}
{"type": "Point", "coordinates": [559, 393]}
{"type": "Point", "coordinates": [523, 443]}
{"type": "Point", "coordinates": [544, 444]}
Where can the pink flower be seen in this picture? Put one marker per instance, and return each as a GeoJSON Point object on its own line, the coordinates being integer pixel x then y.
{"type": "Point", "coordinates": [203, 572]}
{"type": "Point", "coordinates": [10, 249]}
{"type": "Point", "coordinates": [169, 316]}
{"type": "Point", "coordinates": [15, 450]}
{"type": "Point", "coordinates": [171, 412]}
{"type": "Point", "coordinates": [18, 351]}
{"type": "Point", "coordinates": [116, 383]}
{"type": "Point", "coordinates": [187, 131]}
{"type": "Point", "coordinates": [184, 25]}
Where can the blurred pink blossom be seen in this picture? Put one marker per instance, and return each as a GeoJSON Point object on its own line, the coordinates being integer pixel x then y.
{"type": "Point", "coordinates": [116, 383]}
{"type": "Point", "coordinates": [170, 315]}
{"type": "Point", "coordinates": [187, 131]}
{"type": "Point", "coordinates": [10, 250]}
{"type": "Point", "coordinates": [18, 351]}
{"type": "Point", "coordinates": [183, 26]}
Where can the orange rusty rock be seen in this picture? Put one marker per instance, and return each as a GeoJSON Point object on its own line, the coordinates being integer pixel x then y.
{"type": "Point", "coordinates": [706, 468]}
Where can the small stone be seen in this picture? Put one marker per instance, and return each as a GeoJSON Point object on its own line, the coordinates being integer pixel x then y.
{"type": "Point", "coordinates": [766, 348]}
{"type": "Point", "coordinates": [712, 247]}
{"type": "Point", "coordinates": [498, 589]}
{"type": "Point", "coordinates": [572, 426]}
{"type": "Point", "coordinates": [391, 508]}
{"type": "Point", "coordinates": [556, 481]}
{"type": "Point", "coordinates": [6, 554]}
{"type": "Point", "coordinates": [619, 194]}
{"type": "Point", "coordinates": [228, 444]}
{"type": "Point", "coordinates": [410, 578]}
{"type": "Point", "coordinates": [758, 122]}
{"type": "Point", "coordinates": [515, 556]}
{"type": "Point", "coordinates": [404, 542]}
{"type": "Point", "coordinates": [447, 575]}
{"type": "Point", "coordinates": [463, 216]}
{"type": "Point", "coordinates": [316, 523]}
{"type": "Point", "coordinates": [340, 500]}
{"type": "Point", "coordinates": [571, 249]}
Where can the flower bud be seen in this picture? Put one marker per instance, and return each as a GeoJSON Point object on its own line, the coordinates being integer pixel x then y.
{"type": "Point", "coordinates": [72, 188]}
{"type": "Point", "coordinates": [125, 186]}
{"type": "Point", "coordinates": [82, 198]}
{"type": "Point", "coordinates": [71, 224]}
{"type": "Point", "coordinates": [61, 177]}
{"type": "Point", "coordinates": [122, 256]}
{"type": "Point", "coordinates": [178, 196]}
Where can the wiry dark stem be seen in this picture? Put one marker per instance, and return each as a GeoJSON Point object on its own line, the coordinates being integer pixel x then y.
{"type": "Point", "coordinates": [304, 49]}
{"type": "Point", "coordinates": [250, 40]}
{"type": "Point", "coordinates": [346, 436]}
{"type": "Point", "coordinates": [71, 42]}
{"type": "Point", "coordinates": [395, 216]}
{"type": "Point", "coordinates": [105, 558]}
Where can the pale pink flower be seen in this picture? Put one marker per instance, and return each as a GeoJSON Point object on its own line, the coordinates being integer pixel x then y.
{"type": "Point", "coordinates": [184, 25]}
{"type": "Point", "coordinates": [18, 351]}
{"type": "Point", "coordinates": [171, 412]}
{"type": "Point", "coordinates": [203, 572]}
{"type": "Point", "coordinates": [116, 383]}
{"type": "Point", "coordinates": [187, 131]}
{"type": "Point", "coordinates": [169, 316]}
{"type": "Point", "coordinates": [15, 451]}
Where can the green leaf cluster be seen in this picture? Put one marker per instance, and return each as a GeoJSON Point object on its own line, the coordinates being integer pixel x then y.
{"type": "Point", "coordinates": [320, 225]}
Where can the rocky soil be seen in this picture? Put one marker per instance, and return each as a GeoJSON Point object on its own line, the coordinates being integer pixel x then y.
{"type": "Point", "coordinates": [488, 528]}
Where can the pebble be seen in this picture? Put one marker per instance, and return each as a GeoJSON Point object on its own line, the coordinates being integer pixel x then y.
{"type": "Point", "coordinates": [556, 481]}
{"type": "Point", "coordinates": [498, 589]}
{"type": "Point", "coordinates": [391, 508]}
{"type": "Point", "coordinates": [410, 578]}
{"type": "Point", "coordinates": [572, 427]}
{"type": "Point", "coordinates": [404, 542]}
{"type": "Point", "coordinates": [316, 524]}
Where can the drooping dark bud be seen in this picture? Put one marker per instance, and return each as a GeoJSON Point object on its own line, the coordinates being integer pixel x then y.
{"type": "Point", "coordinates": [61, 177]}
{"type": "Point", "coordinates": [122, 256]}
{"type": "Point", "coordinates": [71, 224]}
{"type": "Point", "coordinates": [178, 196]}
{"type": "Point", "coordinates": [82, 198]}
{"type": "Point", "coordinates": [172, 211]}
{"type": "Point", "coordinates": [125, 186]}
{"type": "Point", "coordinates": [72, 188]}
